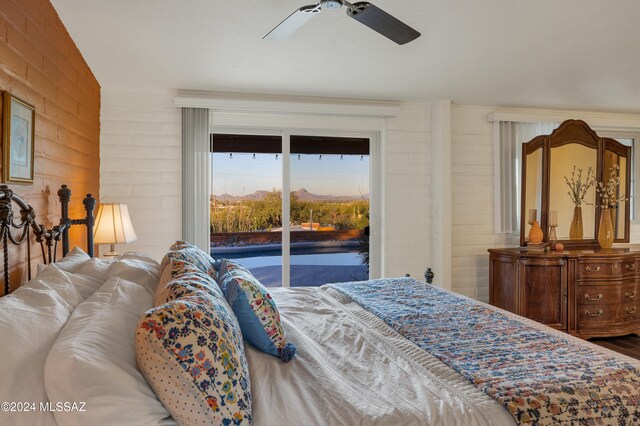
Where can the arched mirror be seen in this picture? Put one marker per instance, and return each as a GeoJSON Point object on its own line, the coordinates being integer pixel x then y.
{"type": "Point", "coordinates": [559, 178]}
{"type": "Point", "coordinates": [573, 164]}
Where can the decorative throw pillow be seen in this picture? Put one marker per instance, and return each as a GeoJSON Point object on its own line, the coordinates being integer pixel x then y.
{"type": "Point", "coordinates": [179, 273]}
{"type": "Point", "coordinates": [256, 311]}
{"type": "Point", "coordinates": [192, 354]}
{"type": "Point", "coordinates": [182, 250]}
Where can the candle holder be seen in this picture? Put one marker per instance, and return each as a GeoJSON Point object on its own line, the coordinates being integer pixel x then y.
{"type": "Point", "coordinates": [533, 217]}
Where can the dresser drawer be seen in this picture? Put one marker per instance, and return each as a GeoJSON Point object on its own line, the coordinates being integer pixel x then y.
{"type": "Point", "coordinates": [630, 293]}
{"type": "Point", "coordinates": [594, 315]}
{"type": "Point", "coordinates": [598, 269]}
{"type": "Point", "coordinates": [631, 311]}
{"type": "Point", "coordinates": [630, 267]}
{"type": "Point", "coordinates": [599, 294]}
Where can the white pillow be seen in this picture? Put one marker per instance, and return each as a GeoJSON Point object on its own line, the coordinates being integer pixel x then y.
{"type": "Point", "coordinates": [85, 284]}
{"type": "Point", "coordinates": [96, 268]}
{"type": "Point", "coordinates": [94, 361]}
{"type": "Point", "coordinates": [72, 261]}
{"type": "Point", "coordinates": [30, 319]}
{"type": "Point", "coordinates": [137, 268]}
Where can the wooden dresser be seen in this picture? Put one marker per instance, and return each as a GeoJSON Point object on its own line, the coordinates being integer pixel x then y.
{"type": "Point", "coordinates": [587, 293]}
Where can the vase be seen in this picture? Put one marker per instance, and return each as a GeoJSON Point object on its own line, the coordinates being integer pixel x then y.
{"type": "Point", "coordinates": [605, 230]}
{"type": "Point", "coordinates": [535, 234]}
{"type": "Point", "coordinates": [575, 231]}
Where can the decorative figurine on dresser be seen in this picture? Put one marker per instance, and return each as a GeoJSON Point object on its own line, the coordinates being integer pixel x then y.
{"type": "Point", "coordinates": [573, 280]}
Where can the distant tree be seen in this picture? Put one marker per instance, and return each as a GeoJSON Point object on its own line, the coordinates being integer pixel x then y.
{"type": "Point", "coordinates": [265, 214]}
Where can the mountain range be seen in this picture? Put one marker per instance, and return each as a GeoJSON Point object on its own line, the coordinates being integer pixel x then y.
{"type": "Point", "coordinates": [302, 195]}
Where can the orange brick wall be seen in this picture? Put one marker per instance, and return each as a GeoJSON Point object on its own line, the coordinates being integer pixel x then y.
{"type": "Point", "coordinates": [40, 64]}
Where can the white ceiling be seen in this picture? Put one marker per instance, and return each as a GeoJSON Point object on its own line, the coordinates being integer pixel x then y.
{"type": "Point", "coordinates": [577, 54]}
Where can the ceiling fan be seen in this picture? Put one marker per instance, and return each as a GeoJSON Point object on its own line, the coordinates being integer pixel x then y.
{"type": "Point", "coordinates": [363, 12]}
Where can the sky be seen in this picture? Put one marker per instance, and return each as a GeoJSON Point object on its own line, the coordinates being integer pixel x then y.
{"type": "Point", "coordinates": [243, 175]}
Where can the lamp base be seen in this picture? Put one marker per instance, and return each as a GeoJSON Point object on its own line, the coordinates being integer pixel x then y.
{"type": "Point", "coordinates": [112, 252]}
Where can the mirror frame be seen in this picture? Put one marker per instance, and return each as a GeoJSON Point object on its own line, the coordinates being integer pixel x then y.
{"type": "Point", "coordinates": [572, 131]}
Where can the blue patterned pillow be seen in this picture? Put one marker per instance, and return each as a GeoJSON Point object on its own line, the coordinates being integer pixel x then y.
{"type": "Point", "coordinates": [191, 352]}
{"type": "Point", "coordinates": [188, 253]}
{"type": "Point", "coordinates": [256, 311]}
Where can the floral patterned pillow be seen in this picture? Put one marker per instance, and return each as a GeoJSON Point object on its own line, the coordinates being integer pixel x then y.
{"type": "Point", "coordinates": [256, 311]}
{"type": "Point", "coordinates": [178, 273]}
{"type": "Point", "coordinates": [188, 253]}
{"type": "Point", "coordinates": [191, 352]}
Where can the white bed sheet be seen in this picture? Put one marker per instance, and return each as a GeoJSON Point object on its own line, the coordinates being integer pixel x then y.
{"type": "Point", "coordinates": [353, 369]}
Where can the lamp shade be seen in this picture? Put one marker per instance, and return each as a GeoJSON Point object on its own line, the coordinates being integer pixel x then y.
{"type": "Point", "coordinates": [113, 225]}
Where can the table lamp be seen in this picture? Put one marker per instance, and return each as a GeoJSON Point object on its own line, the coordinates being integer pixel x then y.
{"type": "Point", "coordinates": [113, 226]}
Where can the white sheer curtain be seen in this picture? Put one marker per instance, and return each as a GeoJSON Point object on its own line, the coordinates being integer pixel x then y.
{"type": "Point", "coordinates": [509, 169]}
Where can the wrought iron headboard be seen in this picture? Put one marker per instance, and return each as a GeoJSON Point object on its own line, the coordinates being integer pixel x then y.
{"type": "Point", "coordinates": [46, 237]}
{"type": "Point", "coordinates": [89, 203]}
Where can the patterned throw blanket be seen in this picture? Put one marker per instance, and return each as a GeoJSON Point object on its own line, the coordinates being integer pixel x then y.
{"type": "Point", "coordinates": [539, 377]}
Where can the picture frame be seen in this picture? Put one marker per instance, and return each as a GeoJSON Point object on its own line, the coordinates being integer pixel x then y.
{"type": "Point", "coordinates": [18, 137]}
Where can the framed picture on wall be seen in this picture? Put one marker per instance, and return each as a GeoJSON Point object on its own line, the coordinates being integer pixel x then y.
{"type": "Point", "coordinates": [18, 122]}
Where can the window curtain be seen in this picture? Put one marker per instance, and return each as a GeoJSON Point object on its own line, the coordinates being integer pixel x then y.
{"type": "Point", "coordinates": [196, 165]}
{"type": "Point", "coordinates": [509, 170]}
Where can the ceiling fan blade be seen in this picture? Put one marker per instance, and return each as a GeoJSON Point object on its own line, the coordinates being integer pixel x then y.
{"type": "Point", "coordinates": [380, 21]}
{"type": "Point", "coordinates": [290, 25]}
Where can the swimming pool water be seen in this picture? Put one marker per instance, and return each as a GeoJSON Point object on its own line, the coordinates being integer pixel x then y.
{"type": "Point", "coordinates": [336, 259]}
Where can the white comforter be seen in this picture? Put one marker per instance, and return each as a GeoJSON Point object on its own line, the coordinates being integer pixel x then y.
{"type": "Point", "coordinates": [352, 369]}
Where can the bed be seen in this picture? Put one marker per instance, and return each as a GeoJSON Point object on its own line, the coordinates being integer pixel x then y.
{"type": "Point", "coordinates": [79, 350]}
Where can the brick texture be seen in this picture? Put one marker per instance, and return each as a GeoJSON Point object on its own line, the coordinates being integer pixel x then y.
{"type": "Point", "coordinates": [407, 207]}
{"type": "Point", "coordinates": [472, 196]}
{"type": "Point", "coordinates": [141, 153]}
{"type": "Point", "coordinates": [40, 64]}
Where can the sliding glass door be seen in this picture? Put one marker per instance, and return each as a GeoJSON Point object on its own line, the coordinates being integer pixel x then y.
{"type": "Point", "coordinates": [318, 233]}
{"type": "Point", "coordinates": [246, 203]}
{"type": "Point", "coordinates": [329, 210]}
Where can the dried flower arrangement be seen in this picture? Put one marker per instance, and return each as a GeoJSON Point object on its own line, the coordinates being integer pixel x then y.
{"type": "Point", "coordinates": [578, 189]}
{"type": "Point", "coordinates": [608, 191]}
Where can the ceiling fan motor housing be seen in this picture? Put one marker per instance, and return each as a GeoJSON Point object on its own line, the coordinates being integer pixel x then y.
{"type": "Point", "coordinates": [331, 4]}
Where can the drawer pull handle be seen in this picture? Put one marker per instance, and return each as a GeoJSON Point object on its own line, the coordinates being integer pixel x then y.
{"type": "Point", "coordinates": [590, 269]}
{"type": "Point", "coordinates": [631, 267]}
{"type": "Point", "coordinates": [632, 310]}
{"type": "Point", "coordinates": [595, 314]}
{"type": "Point", "coordinates": [598, 297]}
{"type": "Point", "coordinates": [629, 295]}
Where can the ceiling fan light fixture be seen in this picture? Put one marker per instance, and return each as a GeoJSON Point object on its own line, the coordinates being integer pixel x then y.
{"type": "Point", "coordinates": [331, 4]}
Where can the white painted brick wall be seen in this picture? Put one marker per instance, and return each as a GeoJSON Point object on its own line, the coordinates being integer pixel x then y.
{"type": "Point", "coordinates": [140, 164]}
{"type": "Point", "coordinates": [472, 201]}
{"type": "Point", "coordinates": [407, 208]}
